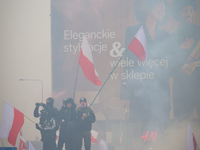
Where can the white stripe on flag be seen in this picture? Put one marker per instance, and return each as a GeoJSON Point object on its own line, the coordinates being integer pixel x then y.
{"type": "Point", "coordinates": [31, 146]}
{"type": "Point", "coordinates": [7, 121]}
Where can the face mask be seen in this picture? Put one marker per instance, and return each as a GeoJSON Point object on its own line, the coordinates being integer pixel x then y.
{"type": "Point", "coordinates": [50, 104]}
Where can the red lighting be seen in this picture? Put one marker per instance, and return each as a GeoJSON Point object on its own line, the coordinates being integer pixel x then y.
{"type": "Point", "coordinates": [149, 137]}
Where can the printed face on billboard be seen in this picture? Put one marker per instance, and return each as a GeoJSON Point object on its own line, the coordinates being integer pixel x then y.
{"type": "Point", "coordinates": [165, 85]}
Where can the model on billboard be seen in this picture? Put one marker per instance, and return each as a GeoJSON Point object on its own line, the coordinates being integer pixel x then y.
{"type": "Point", "coordinates": [185, 52]}
{"type": "Point", "coordinates": [149, 94]}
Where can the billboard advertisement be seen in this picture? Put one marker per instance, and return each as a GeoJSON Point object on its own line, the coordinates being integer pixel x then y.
{"type": "Point", "coordinates": [164, 86]}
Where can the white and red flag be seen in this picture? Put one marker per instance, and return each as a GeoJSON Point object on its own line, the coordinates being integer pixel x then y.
{"type": "Point", "coordinates": [11, 123]}
{"type": "Point", "coordinates": [191, 143]}
{"type": "Point", "coordinates": [57, 135]}
{"type": "Point", "coordinates": [94, 135]}
{"type": "Point", "coordinates": [22, 142]}
{"type": "Point", "coordinates": [138, 45]}
{"type": "Point", "coordinates": [86, 63]}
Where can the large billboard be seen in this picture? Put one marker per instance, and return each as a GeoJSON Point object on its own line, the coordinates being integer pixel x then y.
{"type": "Point", "coordinates": [166, 85]}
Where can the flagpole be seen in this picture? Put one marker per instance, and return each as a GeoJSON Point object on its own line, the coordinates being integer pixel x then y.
{"type": "Point", "coordinates": [76, 80]}
{"type": "Point", "coordinates": [29, 119]}
{"type": "Point", "coordinates": [197, 147]}
{"type": "Point", "coordinates": [107, 79]}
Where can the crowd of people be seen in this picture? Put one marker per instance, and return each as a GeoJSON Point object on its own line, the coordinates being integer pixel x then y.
{"type": "Point", "coordinates": [73, 122]}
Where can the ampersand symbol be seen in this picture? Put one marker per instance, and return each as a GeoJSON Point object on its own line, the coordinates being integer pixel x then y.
{"type": "Point", "coordinates": [115, 52]}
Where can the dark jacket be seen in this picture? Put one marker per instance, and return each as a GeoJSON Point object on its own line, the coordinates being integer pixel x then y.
{"type": "Point", "coordinates": [48, 122]}
{"type": "Point", "coordinates": [62, 118]}
{"type": "Point", "coordinates": [70, 119]}
{"type": "Point", "coordinates": [86, 124]}
{"type": "Point", "coordinates": [67, 119]}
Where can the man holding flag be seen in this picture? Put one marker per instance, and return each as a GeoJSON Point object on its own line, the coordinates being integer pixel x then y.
{"type": "Point", "coordinates": [85, 119]}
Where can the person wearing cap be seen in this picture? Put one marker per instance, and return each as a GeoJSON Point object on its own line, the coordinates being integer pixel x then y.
{"type": "Point", "coordinates": [85, 118]}
{"type": "Point", "coordinates": [61, 139]}
{"type": "Point", "coordinates": [48, 124]}
{"type": "Point", "coordinates": [68, 126]}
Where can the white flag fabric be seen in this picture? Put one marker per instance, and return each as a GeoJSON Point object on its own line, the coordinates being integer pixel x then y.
{"type": "Point", "coordinates": [86, 63]}
{"type": "Point", "coordinates": [190, 140]}
{"type": "Point", "coordinates": [11, 123]}
{"type": "Point", "coordinates": [103, 145]}
{"type": "Point", "coordinates": [94, 135]}
{"type": "Point", "coordinates": [31, 146]}
{"type": "Point", "coordinates": [138, 45]}
{"type": "Point", "coordinates": [22, 142]}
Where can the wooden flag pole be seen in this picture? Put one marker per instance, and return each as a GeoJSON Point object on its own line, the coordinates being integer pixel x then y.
{"type": "Point", "coordinates": [29, 119]}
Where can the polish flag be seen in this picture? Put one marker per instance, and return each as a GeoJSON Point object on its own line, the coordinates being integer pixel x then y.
{"type": "Point", "coordinates": [11, 123]}
{"type": "Point", "coordinates": [138, 45]}
{"type": "Point", "coordinates": [22, 142]}
{"type": "Point", "coordinates": [86, 63]}
{"type": "Point", "coordinates": [191, 143]}
{"type": "Point", "coordinates": [57, 135]}
{"type": "Point", "coordinates": [57, 138]}
{"type": "Point", "coordinates": [94, 135]}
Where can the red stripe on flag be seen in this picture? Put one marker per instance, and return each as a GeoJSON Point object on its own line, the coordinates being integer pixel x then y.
{"type": "Point", "coordinates": [194, 142]}
{"type": "Point", "coordinates": [88, 69]}
{"type": "Point", "coordinates": [18, 122]}
{"type": "Point", "coordinates": [136, 47]}
{"type": "Point", "coordinates": [93, 139]}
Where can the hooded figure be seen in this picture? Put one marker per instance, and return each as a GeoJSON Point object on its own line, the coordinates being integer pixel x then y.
{"type": "Point", "coordinates": [70, 115]}
{"type": "Point", "coordinates": [48, 123]}
{"type": "Point", "coordinates": [68, 126]}
{"type": "Point", "coordinates": [85, 119]}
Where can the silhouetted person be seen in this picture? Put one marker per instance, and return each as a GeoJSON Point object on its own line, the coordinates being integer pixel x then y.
{"type": "Point", "coordinates": [48, 123]}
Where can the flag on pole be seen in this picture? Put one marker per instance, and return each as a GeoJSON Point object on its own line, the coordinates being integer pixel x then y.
{"type": "Point", "coordinates": [31, 146]}
{"type": "Point", "coordinates": [11, 123]}
{"type": "Point", "coordinates": [138, 45]}
{"type": "Point", "coordinates": [94, 135]}
{"type": "Point", "coordinates": [191, 143]}
{"type": "Point", "coordinates": [86, 63]}
{"type": "Point", "coordinates": [22, 142]}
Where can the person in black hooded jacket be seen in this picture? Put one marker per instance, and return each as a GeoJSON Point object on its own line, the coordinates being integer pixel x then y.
{"type": "Point", "coordinates": [68, 125]}
{"type": "Point", "coordinates": [85, 119]}
{"type": "Point", "coordinates": [48, 123]}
